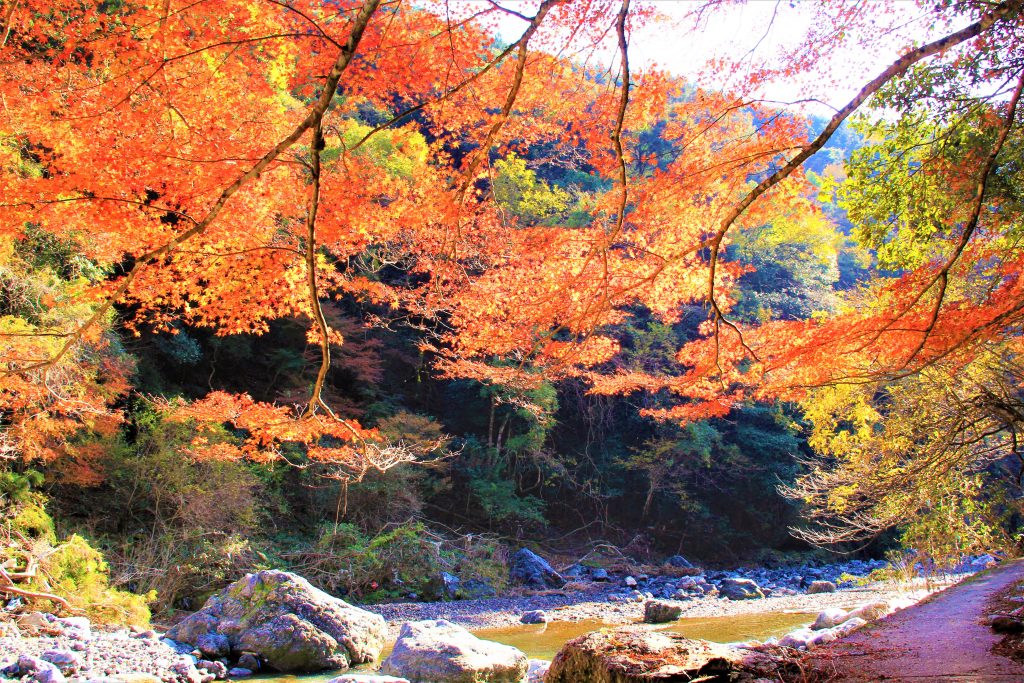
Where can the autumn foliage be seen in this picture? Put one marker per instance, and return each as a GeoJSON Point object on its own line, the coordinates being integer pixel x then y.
{"type": "Point", "coordinates": [230, 163]}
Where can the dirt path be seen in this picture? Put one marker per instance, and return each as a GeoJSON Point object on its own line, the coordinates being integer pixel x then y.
{"type": "Point", "coordinates": [941, 639]}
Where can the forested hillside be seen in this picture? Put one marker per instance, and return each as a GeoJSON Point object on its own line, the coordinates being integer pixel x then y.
{"type": "Point", "coordinates": [361, 290]}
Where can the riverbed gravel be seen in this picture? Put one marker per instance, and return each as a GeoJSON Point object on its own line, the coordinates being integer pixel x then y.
{"type": "Point", "coordinates": [145, 658]}
{"type": "Point", "coordinates": [594, 605]}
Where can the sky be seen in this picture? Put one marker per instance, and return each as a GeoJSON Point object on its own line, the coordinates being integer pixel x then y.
{"type": "Point", "coordinates": [763, 29]}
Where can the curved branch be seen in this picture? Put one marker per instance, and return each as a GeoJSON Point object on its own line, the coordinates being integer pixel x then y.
{"type": "Point", "coordinates": [312, 119]}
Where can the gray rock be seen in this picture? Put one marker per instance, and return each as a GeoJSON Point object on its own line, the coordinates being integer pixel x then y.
{"type": "Point", "coordinates": [51, 675]}
{"type": "Point", "coordinates": [872, 611]}
{"type": "Point", "coordinates": [442, 652]}
{"type": "Point", "coordinates": [533, 571]}
{"type": "Point", "coordinates": [187, 671]}
{"type": "Point", "coordinates": [575, 571]}
{"type": "Point", "coordinates": [248, 660]}
{"type": "Point", "coordinates": [450, 585]}
{"type": "Point", "coordinates": [797, 639]}
{"type": "Point", "coordinates": [629, 582]}
{"type": "Point", "coordinates": [821, 587]}
{"type": "Point", "coordinates": [239, 672]}
{"type": "Point", "coordinates": [213, 645]}
{"type": "Point", "coordinates": [537, 616]}
{"type": "Point", "coordinates": [679, 562]}
{"type": "Point", "coordinates": [739, 589]}
{"type": "Point", "coordinates": [829, 618]}
{"type": "Point", "coordinates": [538, 669]}
{"type": "Point", "coordinates": [600, 574]}
{"type": "Point", "coordinates": [179, 648]}
{"type": "Point", "coordinates": [67, 661]}
{"type": "Point", "coordinates": [218, 669]}
{"type": "Point", "coordinates": [660, 612]}
{"type": "Point", "coordinates": [288, 623]}
{"type": "Point", "coordinates": [80, 624]}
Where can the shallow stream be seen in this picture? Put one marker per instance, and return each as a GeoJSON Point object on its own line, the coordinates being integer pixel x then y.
{"type": "Point", "coordinates": [542, 641]}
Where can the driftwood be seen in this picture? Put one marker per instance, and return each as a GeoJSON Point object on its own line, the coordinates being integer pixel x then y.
{"type": "Point", "coordinates": [9, 578]}
{"type": "Point", "coordinates": [7, 586]}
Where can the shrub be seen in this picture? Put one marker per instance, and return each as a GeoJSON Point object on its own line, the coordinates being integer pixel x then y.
{"type": "Point", "coordinates": [407, 558]}
{"type": "Point", "coordinates": [78, 572]}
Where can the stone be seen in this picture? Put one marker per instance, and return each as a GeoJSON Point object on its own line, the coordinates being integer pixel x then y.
{"type": "Point", "coordinates": [51, 675]}
{"type": "Point", "coordinates": [218, 669]}
{"type": "Point", "coordinates": [239, 672]}
{"type": "Point", "coordinates": [798, 639]}
{"type": "Point", "coordinates": [248, 660]}
{"type": "Point", "coordinates": [289, 624]}
{"type": "Point", "coordinates": [600, 574]}
{"type": "Point", "coordinates": [439, 651]}
{"type": "Point", "coordinates": [821, 587]}
{"type": "Point", "coordinates": [67, 661]}
{"type": "Point", "coordinates": [80, 624]}
{"type": "Point", "coordinates": [179, 648]}
{"type": "Point", "coordinates": [1006, 624]}
{"type": "Point", "coordinates": [34, 620]}
{"type": "Point", "coordinates": [833, 616]}
{"type": "Point", "coordinates": [872, 611]}
{"type": "Point", "coordinates": [822, 638]}
{"type": "Point", "coordinates": [213, 645]}
{"type": "Point", "coordinates": [537, 670]}
{"type": "Point", "coordinates": [39, 670]}
{"type": "Point", "coordinates": [537, 616]}
{"type": "Point", "coordinates": [533, 571]}
{"type": "Point", "coordinates": [848, 626]}
{"type": "Point", "coordinates": [633, 654]}
{"type": "Point", "coordinates": [739, 589]}
{"type": "Point", "coordinates": [661, 612]}
{"type": "Point", "coordinates": [679, 562]}
{"type": "Point", "coordinates": [450, 585]}
{"type": "Point", "coordinates": [629, 582]}
{"type": "Point", "coordinates": [575, 571]}
{"type": "Point", "coordinates": [187, 671]}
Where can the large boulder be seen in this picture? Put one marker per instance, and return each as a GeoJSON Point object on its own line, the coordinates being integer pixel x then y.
{"type": "Point", "coordinates": [740, 589]}
{"type": "Point", "coordinates": [533, 571]}
{"type": "Point", "coordinates": [288, 623]}
{"type": "Point", "coordinates": [633, 654]}
{"type": "Point", "coordinates": [439, 651]}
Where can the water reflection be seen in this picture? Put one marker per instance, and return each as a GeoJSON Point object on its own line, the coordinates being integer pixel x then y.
{"type": "Point", "coordinates": [542, 641]}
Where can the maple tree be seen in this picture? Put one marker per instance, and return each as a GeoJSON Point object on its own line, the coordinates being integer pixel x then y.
{"type": "Point", "coordinates": [219, 161]}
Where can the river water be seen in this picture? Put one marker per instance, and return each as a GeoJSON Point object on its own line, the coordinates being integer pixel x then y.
{"type": "Point", "coordinates": [542, 641]}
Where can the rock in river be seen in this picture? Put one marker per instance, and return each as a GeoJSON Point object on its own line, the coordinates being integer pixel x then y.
{"type": "Point", "coordinates": [288, 623]}
{"type": "Point", "coordinates": [660, 612]}
{"type": "Point", "coordinates": [442, 652]}
{"type": "Point", "coordinates": [633, 654]}
{"type": "Point", "coordinates": [533, 571]}
{"type": "Point", "coordinates": [740, 589]}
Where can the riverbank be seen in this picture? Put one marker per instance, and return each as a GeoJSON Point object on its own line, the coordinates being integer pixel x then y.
{"type": "Point", "coordinates": [593, 605]}
{"type": "Point", "coordinates": [78, 651]}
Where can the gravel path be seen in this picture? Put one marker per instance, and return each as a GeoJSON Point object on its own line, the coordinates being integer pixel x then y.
{"type": "Point", "coordinates": [943, 638]}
